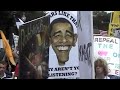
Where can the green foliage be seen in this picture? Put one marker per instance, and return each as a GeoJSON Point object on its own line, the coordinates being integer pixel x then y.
{"type": "Point", "coordinates": [7, 19]}
{"type": "Point", "coordinates": [33, 14]}
{"type": "Point", "coordinates": [101, 20]}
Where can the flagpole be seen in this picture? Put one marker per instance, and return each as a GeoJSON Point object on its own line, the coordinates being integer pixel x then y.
{"type": "Point", "coordinates": [11, 41]}
{"type": "Point", "coordinates": [111, 17]}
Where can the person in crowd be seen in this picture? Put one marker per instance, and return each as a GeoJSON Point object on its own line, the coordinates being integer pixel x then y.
{"type": "Point", "coordinates": [3, 72]}
{"type": "Point", "coordinates": [101, 69]}
{"type": "Point", "coordinates": [16, 71]}
{"type": "Point", "coordinates": [114, 77]}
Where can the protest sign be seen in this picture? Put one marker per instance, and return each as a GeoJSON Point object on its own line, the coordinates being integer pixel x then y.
{"type": "Point", "coordinates": [108, 48]}
{"type": "Point", "coordinates": [34, 49]}
{"type": "Point", "coordinates": [63, 51]}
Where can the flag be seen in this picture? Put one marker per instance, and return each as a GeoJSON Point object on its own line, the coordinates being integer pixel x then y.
{"type": "Point", "coordinates": [116, 17]}
{"type": "Point", "coordinates": [19, 22]}
{"type": "Point", "coordinates": [103, 33]}
{"type": "Point", "coordinates": [7, 48]}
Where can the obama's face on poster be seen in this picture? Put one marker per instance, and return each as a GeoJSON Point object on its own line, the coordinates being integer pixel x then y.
{"type": "Point", "coordinates": [62, 39]}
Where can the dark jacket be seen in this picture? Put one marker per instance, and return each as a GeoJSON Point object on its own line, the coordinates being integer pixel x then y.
{"type": "Point", "coordinates": [8, 75]}
{"type": "Point", "coordinates": [114, 77]}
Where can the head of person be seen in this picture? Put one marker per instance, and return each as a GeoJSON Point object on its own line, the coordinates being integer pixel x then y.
{"type": "Point", "coordinates": [62, 38]}
{"type": "Point", "coordinates": [101, 67]}
{"type": "Point", "coordinates": [3, 66]}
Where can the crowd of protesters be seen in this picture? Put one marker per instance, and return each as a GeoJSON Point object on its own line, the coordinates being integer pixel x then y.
{"type": "Point", "coordinates": [7, 70]}
{"type": "Point", "coordinates": [101, 70]}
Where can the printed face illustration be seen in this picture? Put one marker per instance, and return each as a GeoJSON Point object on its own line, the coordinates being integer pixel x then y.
{"type": "Point", "coordinates": [62, 39]}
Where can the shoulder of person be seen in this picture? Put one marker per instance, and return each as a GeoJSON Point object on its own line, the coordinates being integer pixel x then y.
{"type": "Point", "coordinates": [114, 77]}
{"type": "Point", "coordinates": [8, 77]}
{"type": "Point", "coordinates": [106, 77]}
{"type": "Point", "coordinates": [9, 74]}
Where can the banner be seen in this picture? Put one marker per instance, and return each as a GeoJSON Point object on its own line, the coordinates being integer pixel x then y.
{"type": "Point", "coordinates": [108, 48]}
{"type": "Point", "coordinates": [115, 17]}
{"type": "Point", "coordinates": [34, 49]}
{"type": "Point", "coordinates": [63, 51]}
{"type": "Point", "coordinates": [7, 48]}
{"type": "Point", "coordinates": [114, 22]}
{"type": "Point", "coordinates": [85, 39]}
{"type": "Point", "coordinates": [112, 27]}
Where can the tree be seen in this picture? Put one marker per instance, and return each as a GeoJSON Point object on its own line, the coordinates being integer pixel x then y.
{"type": "Point", "coordinates": [30, 15]}
{"type": "Point", "coordinates": [7, 19]}
{"type": "Point", "coordinates": [34, 14]}
{"type": "Point", "coordinates": [101, 20]}
{"type": "Point", "coordinates": [8, 23]}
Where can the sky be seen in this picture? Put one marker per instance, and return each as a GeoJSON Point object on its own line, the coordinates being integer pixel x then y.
{"type": "Point", "coordinates": [75, 12]}
{"type": "Point", "coordinates": [109, 11]}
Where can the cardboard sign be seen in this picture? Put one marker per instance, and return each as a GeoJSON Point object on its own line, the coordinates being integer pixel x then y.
{"type": "Point", "coordinates": [34, 49]}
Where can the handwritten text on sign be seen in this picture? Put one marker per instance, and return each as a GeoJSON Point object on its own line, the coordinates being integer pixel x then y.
{"type": "Point", "coordinates": [63, 72]}
{"type": "Point", "coordinates": [108, 48]}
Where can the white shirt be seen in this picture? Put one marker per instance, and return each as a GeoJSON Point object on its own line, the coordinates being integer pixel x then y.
{"type": "Point", "coordinates": [106, 77]}
{"type": "Point", "coordinates": [5, 76]}
{"type": "Point", "coordinates": [40, 69]}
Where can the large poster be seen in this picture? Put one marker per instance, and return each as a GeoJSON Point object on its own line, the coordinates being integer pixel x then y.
{"type": "Point", "coordinates": [34, 49]}
{"type": "Point", "coordinates": [108, 48]}
{"type": "Point", "coordinates": [85, 39]}
{"type": "Point", "coordinates": [63, 51]}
